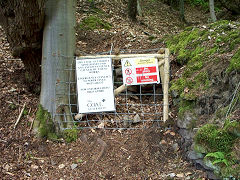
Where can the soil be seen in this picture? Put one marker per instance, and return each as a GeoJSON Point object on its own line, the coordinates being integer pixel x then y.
{"type": "Point", "coordinates": [97, 154]}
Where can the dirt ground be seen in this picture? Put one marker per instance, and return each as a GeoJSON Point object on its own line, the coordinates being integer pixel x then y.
{"type": "Point", "coordinates": [97, 154]}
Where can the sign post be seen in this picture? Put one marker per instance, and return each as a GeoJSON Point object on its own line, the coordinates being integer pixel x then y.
{"type": "Point", "coordinates": [95, 85]}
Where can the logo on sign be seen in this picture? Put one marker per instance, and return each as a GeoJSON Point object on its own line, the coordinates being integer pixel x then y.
{"type": "Point", "coordinates": [94, 104]}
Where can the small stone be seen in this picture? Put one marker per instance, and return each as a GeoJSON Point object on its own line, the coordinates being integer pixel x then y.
{"type": "Point", "coordinates": [175, 147]}
{"type": "Point", "coordinates": [73, 166]}
{"type": "Point", "coordinates": [136, 119]}
{"type": "Point", "coordinates": [6, 167]}
{"type": "Point", "coordinates": [61, 166]}
{"type": "Point", "coordinates": [193, 155]}
{"type": "Point", "coordinates": [33, 166]}
{"type": "Point", "coordinates": [171, 175]}
{"type": "Point", "coordinates": [163, 142]}
{"type": "Point", "coordinates": [181, 175]}
{"type": "Point", "coordinates": [172, 133]}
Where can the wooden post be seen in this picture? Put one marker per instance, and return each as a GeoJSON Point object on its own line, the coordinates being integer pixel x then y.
{"type": "Point", "coordinates": [165, 86]}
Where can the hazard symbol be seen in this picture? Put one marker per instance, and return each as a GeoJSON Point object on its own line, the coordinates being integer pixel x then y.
{"type": "Point", "coordinates": [129, 80]}
{"type": "Point", "coordinates": [127, 63]}
{"type": "Point", "coordinates": [128, 71]}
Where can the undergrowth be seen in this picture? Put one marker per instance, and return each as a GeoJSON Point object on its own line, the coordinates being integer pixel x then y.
{"type": "Point", "coordinates": [195, 48]}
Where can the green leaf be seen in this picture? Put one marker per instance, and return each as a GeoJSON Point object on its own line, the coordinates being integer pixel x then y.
{"type": "Point", "coordinates": [217, 155]}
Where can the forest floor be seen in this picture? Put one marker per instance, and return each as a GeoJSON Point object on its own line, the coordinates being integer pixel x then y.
{"type": "Point", "coordinates": [98, 154]}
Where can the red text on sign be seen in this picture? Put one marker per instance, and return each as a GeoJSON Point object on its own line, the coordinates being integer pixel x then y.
{"type": "Point", "coordinates": [143, 79]}
{"type": "Point", "coordinates": [144, 70]}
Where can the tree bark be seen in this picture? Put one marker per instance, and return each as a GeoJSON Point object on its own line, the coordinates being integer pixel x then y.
{"type": "Point", "coordinates": [57, 59]}
{"type": "Point", "coordinates": [181, 7]}
{"type": "Point", "coordinates": [139, 8]}
{"type": "Point", "coordinates": [212, 11]}
{"type": "Point", "coordinates": [132, 9]}
{"type": "Point", "coordinates": [22, 22]}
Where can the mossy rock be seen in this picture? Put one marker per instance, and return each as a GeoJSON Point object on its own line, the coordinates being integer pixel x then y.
{"type": "Point", "coordinates": [93, 22]}
{"type": "Point", "coordinates": [214, 139]}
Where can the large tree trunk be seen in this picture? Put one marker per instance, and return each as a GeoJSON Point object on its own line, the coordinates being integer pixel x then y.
{"type": "Point", "coordinates": [181, 8]}
{"type": "Point", "coordinates": [22, 21]}
{"type": "Point", "coordinates": [212, 11]}
{"type": "Point", "coordinates": [132, 9]}
{"type": "Point", "coordinates": [57, 59]}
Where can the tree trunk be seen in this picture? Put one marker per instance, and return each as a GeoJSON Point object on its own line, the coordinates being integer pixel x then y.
{"type": "Point", "coordinates": [57, 58]}
{"type": "Point", "coordinates": [181, 7]}
{"type": "Point", "coordinates": [132, 9]}
{"type": "Point", "coordinates": [139, 8]}
{"type": "Point", "coordinates": [212, 11]}
{"type": "Point", "coordinates": [22, 22]}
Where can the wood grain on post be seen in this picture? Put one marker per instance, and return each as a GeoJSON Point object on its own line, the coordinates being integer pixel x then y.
{"type": "Point", "coordinates": [165, 86]}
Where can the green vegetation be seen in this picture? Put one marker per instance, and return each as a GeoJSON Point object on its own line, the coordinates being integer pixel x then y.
{"type": "Point", "coordinates": [218, 144]}
{"type": "Point", "coordinates": [235, 62]}
{"type": "Point", "coordinates": [70, 135]}
{"type": "Point", "coordinates": [214, 138]}
{"type": "Point", "coordinates": [196, 48]}
{"type": "Point", "coordinates": [203, 3]}
{"type": "Point", "coordinates": [46, 127]}
{"type": "Point", "coordinates": [218, 157]}
{"type": "Point", "coordinates": [93, 22]}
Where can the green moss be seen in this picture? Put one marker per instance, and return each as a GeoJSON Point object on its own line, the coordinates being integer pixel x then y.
{"type": "Point", "coordinates": [221, 113]}
{"type": "Point", "coordinates": [70, 135]}
{"type": "Point", "coordinates": [232, 127]}
{"type": "Point", "coordinates": [214, 139]}
{"type": "Point", "coordinates": [46, 127]}
{"type": "Point", "coordinates": [185, 106]}
{"type": "Point", "coordinates": [93, 22]}
{"type": "Point", "coordinates": [235, 62]}
{"type": "Point", "coordinates": [181, 43]}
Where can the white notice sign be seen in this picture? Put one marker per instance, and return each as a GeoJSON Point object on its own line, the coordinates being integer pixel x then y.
{"type": "Point", "coordinates": [95, 85]}
{"type": "Point", "coordinates": [140, 70]}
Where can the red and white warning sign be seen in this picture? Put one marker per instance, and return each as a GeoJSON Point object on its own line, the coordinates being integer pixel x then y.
{"type": "Point", "coordinates": [140, 70]}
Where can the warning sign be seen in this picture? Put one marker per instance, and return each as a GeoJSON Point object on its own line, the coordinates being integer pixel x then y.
{"type": "Point", "coordinates": [140, 70]}
{"type": "Point", "coordinates": [127, 63]}
{"type": "Point", "coordinates": [95, 85]}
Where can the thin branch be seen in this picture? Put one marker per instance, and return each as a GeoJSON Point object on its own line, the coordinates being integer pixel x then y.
{"type": "Point", "coordinates": [20, 115]}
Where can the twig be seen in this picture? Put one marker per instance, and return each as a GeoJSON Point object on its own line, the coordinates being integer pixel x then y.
{"type": "Point", "coordinates": [10, 173]}
{"type": "Point", "coordinates": [20, 115]}
{"type": "Point", "coordinates": [104, 145]}
{"type": "Point", "coordinates": [3, 140]}
{"type": "Point", "coordinates": [31, 124]}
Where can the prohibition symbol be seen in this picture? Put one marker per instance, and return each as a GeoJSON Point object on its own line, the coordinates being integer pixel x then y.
{"type": "Point", "coordinates": [128, 71]}
{"type": "Point", "coordinates": [127, 63]}
{"type": "Point", "coordinates": [129, 80]}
